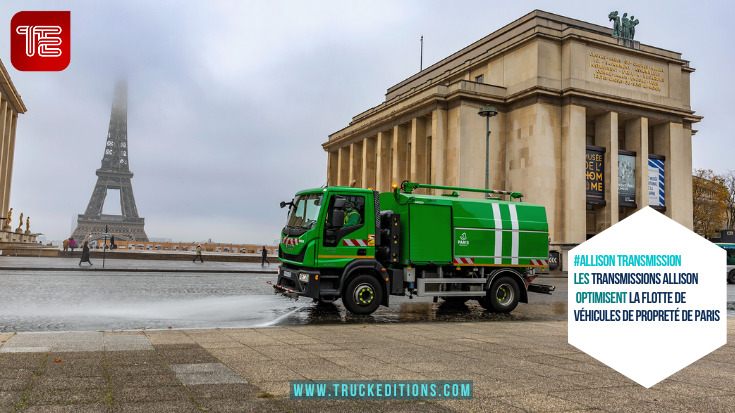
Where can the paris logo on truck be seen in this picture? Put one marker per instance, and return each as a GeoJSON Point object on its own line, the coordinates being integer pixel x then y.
{"type": "Point", "coordinates": [462, 241]}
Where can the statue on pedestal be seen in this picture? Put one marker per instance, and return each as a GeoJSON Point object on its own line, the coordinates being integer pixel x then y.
{"type": "Point", "coordinates": [9, 220]}
{"type": "Point", "coordinates": [20, 226]}
{"type": "Point", "coordinates": [28, 226]}
{"type": "Point", "coordinates": [616, 23]}
{"type": "Point", "coordinates": [625, 28]}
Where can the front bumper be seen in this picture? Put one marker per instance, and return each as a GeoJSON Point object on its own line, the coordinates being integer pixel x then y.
{"type": "Point", "coordinates": [297, 282]}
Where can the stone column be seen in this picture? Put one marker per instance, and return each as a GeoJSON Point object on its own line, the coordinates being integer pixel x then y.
{"type": "Point", "coordinates": [418, 151]}
{"type": "Point", "coordinates": [438, 146]}
{"type": "Point", "coordinates": [400, 144]}
{"type": "Point", "coordinates": [355, 165]}
{"type": "Point", "coordinates": [6, 157]}
{"type": "Point", "coordinates": [573, 196]}
{"type": "Point", "coordinates": [675, 143]}
{"type": "Point", "coordinates": [636, 132]}
{"type": "Point", "coordinates": [368, 163]}
{"type": "Point", "coordinates": [383, 161]}
{"type": "Point", "coordinates": [606, 135]}
{"type": "Point", "coordinates": [684, 213]}
{"type": "Point", "coordinates": [333, 168]}
{"type": "Point", "coordinates": [343, 169]}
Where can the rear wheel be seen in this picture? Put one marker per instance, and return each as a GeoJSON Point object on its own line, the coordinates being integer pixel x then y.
{"type": "Point", "coordinates": [485, 303]}
{"type": "Point", "coordinates": [503, 295]}
{"type": "Point", "coordinates": [362, 295]}
{"type": "Point", "coordinates": [731, 277]}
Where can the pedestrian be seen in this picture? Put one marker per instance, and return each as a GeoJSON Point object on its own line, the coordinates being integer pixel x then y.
{"type": "Point", "coordinates": [72, 244]}
{"type": "Point", "coordinates": [85, 254]}
{"type": "Point", "coordinates": [264, 254]}
{"type": "Point", "coordinates": [113, 246]}
{"type": "Point", "coordinates": [66, 245]}
{"type": "Point", "coordinates": [199, 254]}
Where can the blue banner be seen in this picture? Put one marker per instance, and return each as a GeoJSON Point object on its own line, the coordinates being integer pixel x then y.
{"type": "Point", "coordinates": [656, 194]}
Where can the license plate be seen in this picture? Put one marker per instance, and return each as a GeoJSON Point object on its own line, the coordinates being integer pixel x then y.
{"type": "Point", "coordinates": [287, 274]}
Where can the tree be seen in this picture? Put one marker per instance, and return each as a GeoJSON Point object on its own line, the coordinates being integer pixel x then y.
{"type": "Point", "coordinates": [710, 202]}
{"type": "Point", "coordinates": [730, 184]}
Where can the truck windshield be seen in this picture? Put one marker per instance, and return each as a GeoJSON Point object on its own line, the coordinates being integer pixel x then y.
{"type": "Point", "coordinates": [305, 211]}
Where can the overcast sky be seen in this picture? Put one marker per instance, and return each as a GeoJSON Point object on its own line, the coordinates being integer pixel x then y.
{"type": "Point", "coordinates": [229, 102]}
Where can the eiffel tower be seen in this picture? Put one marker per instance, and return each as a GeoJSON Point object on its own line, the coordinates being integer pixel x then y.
{"type": "Point", "coordinates": [113, 174]}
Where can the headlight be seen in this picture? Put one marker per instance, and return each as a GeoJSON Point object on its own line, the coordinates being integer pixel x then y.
{"type": "Point", "coordinates": [303, 277]}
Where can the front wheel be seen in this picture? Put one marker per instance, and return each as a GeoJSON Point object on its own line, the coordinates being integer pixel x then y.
{"type": "Point", "coordinates": [731, 277]}
{"type": "Point", "coordinates": [362, 295]}
{"type": "Point", "coordinates": [503, 295]}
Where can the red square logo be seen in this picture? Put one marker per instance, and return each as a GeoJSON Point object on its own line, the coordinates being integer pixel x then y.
{"type": "Point", "coordinates": [40, 40]}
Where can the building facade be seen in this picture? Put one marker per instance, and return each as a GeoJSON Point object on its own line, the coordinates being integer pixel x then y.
{"type": "Point", "coordinates": [591, 126]}
{"type": "Point", "coordinates": [11, 106]}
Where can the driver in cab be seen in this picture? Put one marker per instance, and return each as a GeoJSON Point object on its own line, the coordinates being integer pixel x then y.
{"type": "Point", "coordinates": [352, 217]}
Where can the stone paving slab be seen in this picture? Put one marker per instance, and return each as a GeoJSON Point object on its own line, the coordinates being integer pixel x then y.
{"type": "Point", "coordinates": [530, 368]}
{"type": "Point", "coordinates": [205, 373]}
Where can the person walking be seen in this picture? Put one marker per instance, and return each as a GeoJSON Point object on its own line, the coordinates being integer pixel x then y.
{"type": "Point", "coordinates": [199, 254]}
{"type": "Point", "coordinates": [264, 255]}
{"type": "Point", "coordinates": [113, 246]}
{"type": "Point", "coordinates": [72, 244]}
{"type": "Point", "coordinates": [85, 254]}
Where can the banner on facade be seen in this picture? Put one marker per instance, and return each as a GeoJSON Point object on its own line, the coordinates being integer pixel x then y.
{"type": "Point", "coordinates": [595, 175]}
{"type": "Point", "coordinates": [656, 183]}
{"type": "Point", "coordinates": [626, 180]}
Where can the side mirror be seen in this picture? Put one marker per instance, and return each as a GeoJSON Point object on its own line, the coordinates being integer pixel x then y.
{"type": "Point", "coordinates": [283, 204]}
{"type": "Point", "coordinates": [338, 219]}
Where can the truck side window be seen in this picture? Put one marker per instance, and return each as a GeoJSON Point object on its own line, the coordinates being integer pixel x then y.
{"type": "Point", "coordinates": [354, 218]}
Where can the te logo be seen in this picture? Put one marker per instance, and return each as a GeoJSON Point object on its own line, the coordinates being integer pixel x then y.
{"type": "Point", "coordinates": [40, 40]}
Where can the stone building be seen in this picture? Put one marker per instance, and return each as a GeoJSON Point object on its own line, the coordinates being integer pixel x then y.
{"type": "Point", "coordinates": [10, 106]}
{"type": "Point", "coordinates": [591, 126]}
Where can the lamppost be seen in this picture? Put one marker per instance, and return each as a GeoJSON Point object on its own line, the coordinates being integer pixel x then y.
{"type": "Point", "coordinates": [488, 112]}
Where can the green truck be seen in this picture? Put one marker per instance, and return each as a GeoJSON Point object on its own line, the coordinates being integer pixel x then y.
{"type": "Point", "coordinates": [362, 247]}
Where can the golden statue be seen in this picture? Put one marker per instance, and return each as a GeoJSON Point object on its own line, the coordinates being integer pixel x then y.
{"type": "Point", "coordinates": [28, 224]}
{"type": "Point", "coordinates": [21, 220]}
{"type": "Point", "coordinates": [9, 220]}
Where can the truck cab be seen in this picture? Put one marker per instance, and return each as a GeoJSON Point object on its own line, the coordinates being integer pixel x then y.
{"type": "Point", "coordinates": [327, 230]}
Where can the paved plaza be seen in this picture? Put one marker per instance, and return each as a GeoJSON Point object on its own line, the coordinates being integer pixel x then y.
{"type": "Point", "coordinates": [518, 363]}
{"type": "Point", "coordinates": [515, 367]}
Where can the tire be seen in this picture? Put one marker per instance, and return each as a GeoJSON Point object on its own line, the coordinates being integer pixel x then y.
{"type": "Point", "coordinates": [503, 295]}
{"type": "Point", "coordinates": [731, 277]}
{"type": "Point", "coordinates": [485, 303]}
{"type": "Point", "coordinates": [363, 295]}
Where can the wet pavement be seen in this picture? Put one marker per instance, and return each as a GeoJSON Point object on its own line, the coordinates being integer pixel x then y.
{"type": "Point", "coordinates": [138, 294]}
{"type": "Point", "coordinates": [56, 296]}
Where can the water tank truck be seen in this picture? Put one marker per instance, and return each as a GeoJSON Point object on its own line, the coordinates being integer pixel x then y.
{"type": "Point", "coordinates": [362, 247]}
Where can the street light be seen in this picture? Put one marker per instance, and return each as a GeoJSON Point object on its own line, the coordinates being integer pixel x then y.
{"type": "Point", "coordinates": [488, 112]}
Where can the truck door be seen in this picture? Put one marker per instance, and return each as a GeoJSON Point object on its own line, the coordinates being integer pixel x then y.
{"type": "Point", "coordinates": [349, 232]}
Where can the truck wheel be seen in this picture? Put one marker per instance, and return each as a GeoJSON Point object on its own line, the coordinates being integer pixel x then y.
{"type": "Point", "coordinates": [362, 295]}
{"type": "Point", "coordinates": [731, 277]}
{"type": "Point", "coordinates": [503, 295]}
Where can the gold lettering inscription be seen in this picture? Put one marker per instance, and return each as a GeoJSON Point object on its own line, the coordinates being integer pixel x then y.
{"type": "Point", "coordinates": [626, 72]}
